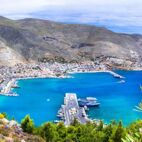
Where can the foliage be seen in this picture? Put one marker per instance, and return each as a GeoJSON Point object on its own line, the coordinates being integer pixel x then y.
{"type": "Point", "coordinates": [27, 124]}
{"type": "Point", "coordinates": [89, 132]}
{"type": "Point", "coordinates": [1, 116]}
{"type": "Point", "coordinates": [4, 114]}
{"type": "Point", "coordinates": [136, 138]}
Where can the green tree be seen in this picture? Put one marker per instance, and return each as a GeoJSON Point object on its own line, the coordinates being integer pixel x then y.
{"type": "Point", "coordinates": [4, 114]}
{"type": "Point", "coordinates": [62, 131]}
{"type": "Point", "coordinates": [48, 132]}
{"type": "Point", "coordinates": [119, 133]}
{"type": "Point", "coordinates": [108, 132]}
{"type": "Point", "coordinates": [136, 138]}
{"type": "Point", "coordinates": [100, 126]}
{"type": "Point", "coordinates": [27, 124]}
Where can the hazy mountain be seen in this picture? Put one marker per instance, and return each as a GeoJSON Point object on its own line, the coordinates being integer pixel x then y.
{"type": "Point", "coordinates": [42, 40]}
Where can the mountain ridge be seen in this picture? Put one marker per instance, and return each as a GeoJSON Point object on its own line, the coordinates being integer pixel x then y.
{"type": "Point", "coordinates": [34, 40]}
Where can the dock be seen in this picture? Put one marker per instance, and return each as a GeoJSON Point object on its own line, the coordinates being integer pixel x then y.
{"type": "Point", "coordinates": [71, 110]}
{"type": "Point", "coordinates": [116, 75]}
{"type": "Point", "coordinates": [6, 86]}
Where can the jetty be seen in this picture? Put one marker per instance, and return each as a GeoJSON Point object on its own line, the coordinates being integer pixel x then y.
{"type": "Point", "coordinates": [115, 74]}
{"type": "Point", "coordinates": [71, 110]}
{"type": "Point", "coordinates": [5, 88]}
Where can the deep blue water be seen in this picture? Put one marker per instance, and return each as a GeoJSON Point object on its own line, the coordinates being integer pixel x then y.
{"type": "Point", "coordinates": [41, 98]}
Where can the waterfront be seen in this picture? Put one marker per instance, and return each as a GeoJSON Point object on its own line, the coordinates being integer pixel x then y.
{"type": "Point", "coordinates": [42, 98]}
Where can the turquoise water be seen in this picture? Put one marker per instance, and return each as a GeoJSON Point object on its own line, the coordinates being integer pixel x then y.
{"type": "Point", "coordinates": [42, 98]}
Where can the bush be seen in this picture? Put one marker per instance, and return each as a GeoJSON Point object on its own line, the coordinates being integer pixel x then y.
{"type": "Point", "coordinates": [1, 116]}
{"type": "Point", "coordinates": [27, 124]}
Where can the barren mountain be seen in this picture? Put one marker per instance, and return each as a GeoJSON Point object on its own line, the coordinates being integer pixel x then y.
{"type": "Point", "coordinates": [29, 40]}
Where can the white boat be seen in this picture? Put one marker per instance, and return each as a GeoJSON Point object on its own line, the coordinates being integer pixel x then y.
{"type": "Point", "coordinates": [122, 81]}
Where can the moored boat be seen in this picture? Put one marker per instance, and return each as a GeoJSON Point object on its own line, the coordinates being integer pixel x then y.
{"type": "Point", "coordinates": [89, 102]}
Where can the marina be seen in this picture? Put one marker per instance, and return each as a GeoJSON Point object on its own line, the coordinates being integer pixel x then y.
{"type": "Point", "coordinates": [7, 84]}
{"type": "Point", "coordinates": [6, 87]}
{"type": "Point", "coordinates": [49, 96]}
{"type": "Point", "coordinates": [71, 110]}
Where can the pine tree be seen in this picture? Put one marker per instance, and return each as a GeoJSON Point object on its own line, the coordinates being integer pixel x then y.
{"type": "Point", "coordinates": [27, 124]}
{"type": "Point", "coordinates": [119, 133]}
{"type": "Point", "coordinates": [48, 132]}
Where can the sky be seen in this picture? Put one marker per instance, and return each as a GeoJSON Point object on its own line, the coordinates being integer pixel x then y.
{"type": "Point", "coordinates": [117, 15]}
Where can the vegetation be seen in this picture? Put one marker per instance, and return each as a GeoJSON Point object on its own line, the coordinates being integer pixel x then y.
{"type": "Point", "coordinates": [27, 124]}
{"type": "Point", "coordinates": [1, 116]}
{"type": "Point", "coordinates": [90, 132]}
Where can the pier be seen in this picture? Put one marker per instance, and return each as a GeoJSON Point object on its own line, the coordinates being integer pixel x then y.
{"type": "Point", "coordinates": [71, 110]}
{"type": "Point", "coordinates": [6, 86]}
{"type": "Point", "coordinates": [116, 75]}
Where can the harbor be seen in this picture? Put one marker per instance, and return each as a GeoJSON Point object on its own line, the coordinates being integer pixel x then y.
{"type": "Point", "coordinates": [71, 110]}
{"type": "Point", "coordinates": [9, 76]}
{"type": "Point", "coordinates": [49, 96]}
{"type": "Point", "coordinates": [6, 87]}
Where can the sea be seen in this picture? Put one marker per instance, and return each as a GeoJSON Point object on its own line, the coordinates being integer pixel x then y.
{"type": "Point", "coordinates": [42, 98]}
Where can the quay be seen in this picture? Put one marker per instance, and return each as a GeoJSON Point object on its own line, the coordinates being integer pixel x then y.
{"type": "Point", "coordinates": [6, 86]}
{"type": "Point", "coordinates": [71, 110]}
{"type": "Point", "coordinates": [115, 74]}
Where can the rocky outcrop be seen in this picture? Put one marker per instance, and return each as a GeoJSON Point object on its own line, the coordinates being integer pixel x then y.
{"type": "Point", "coordinates": [10, 131]}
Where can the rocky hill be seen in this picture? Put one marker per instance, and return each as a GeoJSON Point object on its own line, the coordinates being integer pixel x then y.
{"type": "Point", "coordinates": [32, 40]}
{"type": "Point", "coordinates": [10, 131]}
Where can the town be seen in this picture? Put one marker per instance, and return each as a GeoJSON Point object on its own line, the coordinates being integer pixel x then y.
{"type": "Point", "coordinates": [9, 75]}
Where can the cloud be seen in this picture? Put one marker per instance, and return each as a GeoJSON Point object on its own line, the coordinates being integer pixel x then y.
{"type": "Point", "coordinates": [26, 6]}
{"type": "Point", "coordinates": [101, 12]}
{"type": "Point", "coordinates": [30, 6]}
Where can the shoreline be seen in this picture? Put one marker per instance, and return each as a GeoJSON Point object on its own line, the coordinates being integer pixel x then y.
{"type": "Point", "coordinates": [13, 82]}
{"type": "Point", "coordinates": [10, 75]}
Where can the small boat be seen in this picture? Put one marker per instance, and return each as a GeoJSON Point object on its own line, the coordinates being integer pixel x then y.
{"type": "Point", "coordinates": [59, 115]}
{"type": "Point", "coordinates": [15, 86]}
{"type": "Point", "coordinates": [57, 121]}
{"type": "Point", "coordinates": [141, 87]}
{"type": "Point", "coordinates": [122, 81]}
{"type": "Point", "coordinates": [11, 94]}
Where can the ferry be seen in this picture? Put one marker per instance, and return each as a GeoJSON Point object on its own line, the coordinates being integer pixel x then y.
{"type": "Point", "coordinates": [89, 102]}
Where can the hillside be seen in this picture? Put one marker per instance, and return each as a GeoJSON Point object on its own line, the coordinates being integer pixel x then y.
{"type": "Point", "coordinates": [32, 40]}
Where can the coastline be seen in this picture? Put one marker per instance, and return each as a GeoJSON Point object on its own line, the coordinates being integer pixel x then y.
{"type": "Point", "coordinates": [95, 71]}
{"type": "Point", "coordinates": [9, 76]}
{"type": "Point", "coordinates": [6, 90]}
